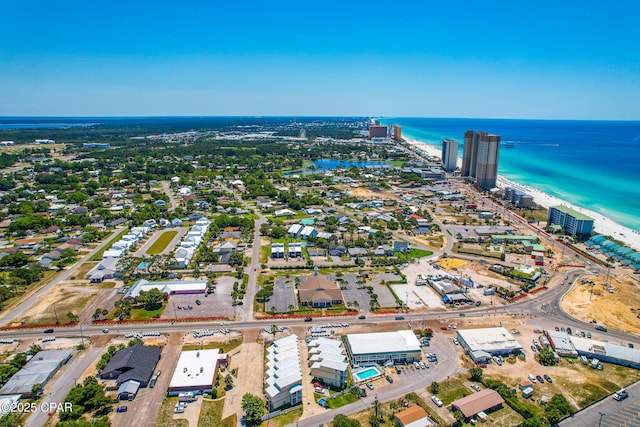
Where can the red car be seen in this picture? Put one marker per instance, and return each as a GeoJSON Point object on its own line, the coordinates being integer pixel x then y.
{"type": "Point", "coordinates": [444, 328]}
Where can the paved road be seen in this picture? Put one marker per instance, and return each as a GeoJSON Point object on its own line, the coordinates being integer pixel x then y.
{"type": "Point", "coordinates": [15, 313]}
{"type": "Point", "coordinates": [172, 200]}
{"type": "Point", "coordinates": [57, 390]}
{"type": "Point", "coordinates": [246, 312]}
{"type": "Point", "coordinates": [609, 413]}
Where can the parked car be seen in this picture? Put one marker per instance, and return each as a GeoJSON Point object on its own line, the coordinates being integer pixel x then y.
{"type": "Point", "coordinates": [540, 379]}
{"type": "Point", "coordinates": [105, 331]}
{"type": "Point", "coordinates": [601, 328]}
{"type": "Point", "coordinates": [620, 394]}
{"type": "Point", "coordinates": [122, 409]}
{"type": "Point", "coordinates": [437, 401]}
{"type": "Point", "coordinates": [389, 378]}
{"type": "Point", "coordinates": [476, 387]}
{"type": "Point", "coordinates": [455, 341]}
{"type": "Point", "coordinates": [588, 334]}
{"type": "Point", "coordinates": [198, 302]}
{"type": "Point", "coordinates": [370, 386]}
{"type": "Point", "coordinates": [399, 317]}
{"type": "Point", "coordinates": [631, 345]}
{"type": "Point", "coordinates": [532, 379]}
{"type": "Point", "coordinates": [548, 378]}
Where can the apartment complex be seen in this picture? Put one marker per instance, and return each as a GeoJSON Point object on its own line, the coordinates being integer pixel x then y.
{"type": "Point", "coordinates": [571, 220]}
{"type": "Point", "coordinates": [480, 158]}
{"type": "Point", "coordinates": [284, 376]}
{"type": "Point", "coordinates": [327, 361]}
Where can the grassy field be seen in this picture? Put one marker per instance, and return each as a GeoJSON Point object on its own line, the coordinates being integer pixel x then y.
{"type": "Point", "coordinates": [83, 269]}
{"type": "Point", "coordinates": [141, 313]}
{"type": "Point", "coordinates": [98, 255]}
{"type": "Point", "coordinates": [450, 390]}
{"type": "Point", "coordinates": [161, 243]}
{"type": "Point", "coordinates": [69, 303]}
{"type": "Point", "coordinates": [265, 253]}
{"type": "Point", "coordinates": [284, 420]}
{"type": "Point", "coordinates": [337, 401]}
{"type": "Point", "coordinates": [225, 347]}
{"type": "Point", "coordinates": [211, 413]}
{"type": "Point", "coordinates": [165, 417]}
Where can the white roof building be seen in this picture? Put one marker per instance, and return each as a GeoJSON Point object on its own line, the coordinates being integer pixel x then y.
{"type": "Point", "coordinates": [171, 287]}
{"type": "Point", "coordinates": [380, 347]}
{"type": "Point", "coordinates": [284, 376]}
{"type": "Point", "coordinates": [196, 371]}
{"type": "Point", "coordinates": [492, 340]}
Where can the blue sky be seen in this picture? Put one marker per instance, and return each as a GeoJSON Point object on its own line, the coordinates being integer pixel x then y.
{"type": "Point", "coordinates": [502, 59]}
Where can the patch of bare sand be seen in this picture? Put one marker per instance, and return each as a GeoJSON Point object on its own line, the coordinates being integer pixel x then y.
{"type": "Point", "coordinates": [58, 301]}
{"type": "Point", "coordinates": [451, 263]}
{"type": "Point", "coordinates": [620, 308]}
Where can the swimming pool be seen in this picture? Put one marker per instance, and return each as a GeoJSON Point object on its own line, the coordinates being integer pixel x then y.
{"type": "Point", "coordinates": [364, 374]}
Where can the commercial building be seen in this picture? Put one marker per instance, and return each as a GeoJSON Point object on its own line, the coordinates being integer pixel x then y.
{"type": "Point", "coordinates": [571, 346]}
{"type": "Point", "coordinates": [485, 400]}
{"type": "Point", "coordinates": [38, 370]}
{"type": "Point", "coordinates": [377, 131]}
{"type": "Point", "coordinates": [284, 376]}
{"type": "Point", "coordinates": [380, 347]}
{"type": "Point", "coordinates": [480, 158]}
{"type": "Point", "coordinates": [571, 220]}
{"type": "Point", "coordinates": [494, 341]}
{"type": "Point", "coordinates": [135, 363]}
{"type": "Point", "coordinates": [327, 361]}
{"type": "Point", "coordinates": [318, 291]}
{"type": "Point", "coordinates": [414, 417]}
{"type": "Point", "coordinates": [449, 154]}
{"type": "Point", "coordinates": [196, 371]}
{"type": "Point", "coordinates": [171, 287]}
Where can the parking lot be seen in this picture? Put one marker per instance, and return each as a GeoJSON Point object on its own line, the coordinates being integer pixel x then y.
{"type": "Point", "coordinates": [358, 292]}
{"type": "Point", "coordinates": [215, 304]}
{"type": "Point", "coordinates": [283, 295]}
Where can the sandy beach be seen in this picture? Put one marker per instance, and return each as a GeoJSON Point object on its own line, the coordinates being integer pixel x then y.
{"type": "Point", "coordinates": [602, 224]}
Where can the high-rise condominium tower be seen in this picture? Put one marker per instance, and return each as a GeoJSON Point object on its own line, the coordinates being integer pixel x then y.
{"type": "Point", "coordinates": [480, 158]}
{"type": "Point", "coordinates": [449, 154]}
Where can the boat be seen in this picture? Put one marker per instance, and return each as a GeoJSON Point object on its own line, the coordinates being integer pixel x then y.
{"type": "Point", "coordinates": [507, 144]}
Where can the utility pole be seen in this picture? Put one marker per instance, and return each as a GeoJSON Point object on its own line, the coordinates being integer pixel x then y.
{"type": "Point", "coordinates": [175, 313]}
{"type": "Point", "coordinates": [55, 311]}
{"type": "Point", "coordinates": [81, 336]}
{"type": "Point", "coordinates": [602, 414]}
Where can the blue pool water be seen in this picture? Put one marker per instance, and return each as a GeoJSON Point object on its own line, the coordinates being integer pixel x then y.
{"type": "Point", "coordinates": [366, 373]}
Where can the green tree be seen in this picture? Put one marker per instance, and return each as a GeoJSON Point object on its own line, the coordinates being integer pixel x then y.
{"type": "Point", "coordinates": [123, 309]}
{"type": "Point", "coordinates": [228, 382]}
{"type": "Point", "coordinates": [34, 349]}
{"type": "Point", "coordinates": [73, 318]}
{"type": "Point", "coordinates": [476, 373]}
{"type": "Point", "coordinates": [253, 408]}
{"type": "Point", "coordinates": [151, 299]}
{"type": "Point", "coordinates": [94, 422]}
{"type": "Point", "coordinates": [236, 259]}
{"type": "Point", "coordinates": [344, 421]}
{"type": "Point", "coordinates": [546, 357]}
{"type": "Point", "coordinates": [434, 387]}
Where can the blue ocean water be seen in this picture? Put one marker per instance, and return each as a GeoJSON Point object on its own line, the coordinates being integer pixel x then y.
{"type": "Point", "coordinates": [591, 164]}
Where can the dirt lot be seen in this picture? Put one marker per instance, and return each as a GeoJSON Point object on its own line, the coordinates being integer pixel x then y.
{"type": "Point", "coordinates": [620, 308]}
{"type": "Point", "coordinates": [63, 298]}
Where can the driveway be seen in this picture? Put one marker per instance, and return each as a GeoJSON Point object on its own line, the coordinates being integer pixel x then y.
{"type": "Point", "coordinates": [248, 360]}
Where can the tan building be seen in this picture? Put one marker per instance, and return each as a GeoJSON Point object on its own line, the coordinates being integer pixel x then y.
{"type": "Point", "coordinates": [414, 417]}
{"type": "Point", "coordinates": [480, 158]}
{"type": "Point", "coordinates": [397, 133]}
{"type": "Point", "coordinates": [318, 291]}
{"type": "Point", "coordinates": [485, 400]}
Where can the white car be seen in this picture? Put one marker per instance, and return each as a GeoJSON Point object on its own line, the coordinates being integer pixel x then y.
{"type": "Point", "coordinates": [437, 401]}
{"type": "Point", "coordinates": [532, 379]}
{"type": "Point", "coordinates": [455, 341]}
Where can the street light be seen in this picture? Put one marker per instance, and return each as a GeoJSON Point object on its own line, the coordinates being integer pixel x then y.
{"type": "Point", "coordinates": [602, 414]}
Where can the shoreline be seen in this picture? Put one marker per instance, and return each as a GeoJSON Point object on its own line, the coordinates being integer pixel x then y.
{"type": "Point", "coordinates": [601, 224]}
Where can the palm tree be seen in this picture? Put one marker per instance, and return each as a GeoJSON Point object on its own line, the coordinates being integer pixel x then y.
{"type": "Point", "coordinates": [274, 330]}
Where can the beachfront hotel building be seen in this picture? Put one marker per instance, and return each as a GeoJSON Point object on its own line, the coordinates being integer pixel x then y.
{"type": "Point", "coordinates": [449, 154]}
{"type": "Point", "coordinates": [377, 131]}
{"type": "Point", "coordinates": [480, 158]}
{"type": "Point", "coordinates": [572, 221]}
